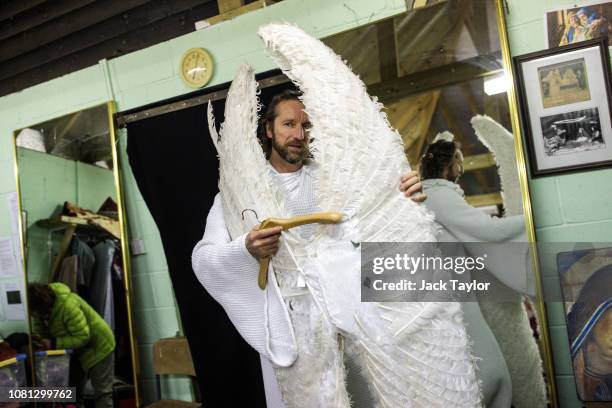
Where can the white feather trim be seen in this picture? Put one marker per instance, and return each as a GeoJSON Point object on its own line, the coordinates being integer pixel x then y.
{"type": "Point", "coordinates": [509, 321]}
{"type": "Point", "coordinates": [359, 156]}
{"type": "Point", "coordinates": [244, 179]}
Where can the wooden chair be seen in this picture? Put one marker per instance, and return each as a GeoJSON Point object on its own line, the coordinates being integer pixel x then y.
{"type": "Point", "coordinates": [173, 357]}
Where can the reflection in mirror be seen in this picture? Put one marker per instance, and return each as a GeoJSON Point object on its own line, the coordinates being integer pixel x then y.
{"type": "Point", "coordinates": [74, 262]}
{"type": "Point", "coordinates": [439, 73]}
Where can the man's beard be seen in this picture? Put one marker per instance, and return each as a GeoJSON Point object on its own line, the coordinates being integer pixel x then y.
{"type": "Point", "coordinates": [289, 157]}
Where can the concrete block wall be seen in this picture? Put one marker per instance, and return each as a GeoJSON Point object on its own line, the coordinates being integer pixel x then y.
{"type": "Point", "coordinates": [568, 208]}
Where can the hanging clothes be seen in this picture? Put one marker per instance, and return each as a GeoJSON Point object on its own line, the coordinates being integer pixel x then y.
{"type": "Point", "coordinates": [86, 260]}
{"type": "Point", "coordinates": [100, 294]}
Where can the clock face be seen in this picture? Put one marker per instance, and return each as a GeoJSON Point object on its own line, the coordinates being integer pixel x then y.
{"type": "Point", "coordinates": [196, 67]}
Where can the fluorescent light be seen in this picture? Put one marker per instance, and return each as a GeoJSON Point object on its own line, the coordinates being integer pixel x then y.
{"type": "Point", "coordinates": [496, 85]}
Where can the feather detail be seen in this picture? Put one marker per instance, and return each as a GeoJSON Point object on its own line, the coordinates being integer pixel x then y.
{"type": "Point", "coordinates": [418, 351]}
{"type": "Point", "coordinates": [500, 143]}
{"type": "Point", "coordinates": [244, 177]}
{"type": "Point", "coordinates": [349, 131]}
{"type": "Point", "coordinates": [509, 321]}
{"type": "Point", "coordinates": [212, 129]}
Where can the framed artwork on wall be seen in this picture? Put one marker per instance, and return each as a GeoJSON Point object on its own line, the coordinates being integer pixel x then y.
{"type": "Point", "coordinates": [575, 23]}
{"type": "Point", "coordinates": [565, 99]}
{"type": "Point", "coordinates": [586, 285]}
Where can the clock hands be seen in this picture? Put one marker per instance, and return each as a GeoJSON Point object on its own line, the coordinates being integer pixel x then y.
{"type": "Point", "coordinates": [195, 68]}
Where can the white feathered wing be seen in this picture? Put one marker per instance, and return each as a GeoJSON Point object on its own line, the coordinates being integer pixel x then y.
{"type": "Point", "coordinates": [418, 350]}
{"type": "Point", "coordinates": [359, 156]}
{"type": "Point", "coordinates": [359, 160]}
{"type": "Point", "coordinates": [509, 321]}
{"type": "Point", "coordinates": [244, 178]}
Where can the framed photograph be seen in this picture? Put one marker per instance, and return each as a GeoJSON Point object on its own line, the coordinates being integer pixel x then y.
{"type": "Point", "coordinates": [564, 94]}
{"type": "Point", "coordinates": [575, 23]}
{"type": "Point", "coordinates": [564, 83]}
{"type": "Point", "coordinates": [586, 286]}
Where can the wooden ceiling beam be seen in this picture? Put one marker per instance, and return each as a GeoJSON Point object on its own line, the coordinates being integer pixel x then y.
{"type": "Point", "coordinates": [163, 30]}
{"type": "Point", "coordinates": [478, 161]}
{"type": "Point", "coordinates": [348, 43]}
{"type": "Point", "coordinates": [69, 23]}
{"type": "Point", "coordinates": [387, 49]}
{"type": "Point", "coordinates": [466, 90]}
{"type": "Point", "coordinates": [428, 38]}
{"type": "Point", "coordinates": [449, 118]}
{"type": "Point", "coordinates": [102, 32]}
{"type": "Point", "coordinates": [478, 26]}
{"type": "Point", "coordinates": [39, 15]}
{"type": "Point", "coordinates": [404, 111]}
{"type": "Point", "coordinates": [362, 54]}
{"type": "Point", "coordinates": [9, 9]}
{"type": "Point", "coordinates": [229, 5]}
{"type": "Point", "coordinates": [422, 129]}
{"type": "Point", "coordinates": [233, 13]}
{"type": "Point", "coordinates": [439, 77]}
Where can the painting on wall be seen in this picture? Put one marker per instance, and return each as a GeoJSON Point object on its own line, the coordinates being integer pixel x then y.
{"type": "Point", "coordinates": [586, 285]}
{"type": "Point", "coordinates": [572, 24]}
{"type": "Point", "coordinates": [565, 99]}
{"type": "Point", "coordinates": [564, 83]}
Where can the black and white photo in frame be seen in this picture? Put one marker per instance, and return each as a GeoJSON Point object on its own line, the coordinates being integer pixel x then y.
{"type": "Point", "coordinates": [565, 98]}
{"type": "Point", "coordinates": [572, 132]}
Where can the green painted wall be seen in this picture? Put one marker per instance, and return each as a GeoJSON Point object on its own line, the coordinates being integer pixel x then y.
{"type": "Point", "coordinates": [151, 75]}
{"type": "Point", "coordinates": [568, 208]}
{"type": "Point", "coordinates": [148, 76]}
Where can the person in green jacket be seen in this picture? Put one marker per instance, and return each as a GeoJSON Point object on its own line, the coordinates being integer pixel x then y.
{"type": "Point", "coordinates": [71, 323]}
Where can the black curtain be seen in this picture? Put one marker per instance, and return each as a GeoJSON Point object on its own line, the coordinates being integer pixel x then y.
{"type": "Point", "coordinates": [176, 168]}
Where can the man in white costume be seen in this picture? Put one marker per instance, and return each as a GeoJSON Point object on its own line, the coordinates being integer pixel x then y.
{"type": "Point", "coordinates": [310, 314]}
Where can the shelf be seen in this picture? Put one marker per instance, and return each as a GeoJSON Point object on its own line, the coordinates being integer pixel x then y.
{"type": "Point", "coordinates": [93, 221]}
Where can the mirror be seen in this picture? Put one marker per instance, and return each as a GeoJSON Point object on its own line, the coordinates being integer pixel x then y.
{"type": "Point", "coordinates": [75, 259]}
{"type": "Point", "coordinates": [435, 69]}
{"type": "Point", "coordinates": [439, 71]}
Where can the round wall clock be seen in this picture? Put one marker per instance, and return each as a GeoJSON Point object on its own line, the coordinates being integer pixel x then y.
{"type": "Point", "coordinates": [196, 67]}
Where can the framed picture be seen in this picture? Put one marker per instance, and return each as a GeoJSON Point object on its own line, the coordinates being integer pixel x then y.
{"type": "Point", "coordinates": [565, 104]}
{"type": "Point", "coordinates": [572, 24]}
{"type": "Point", "coordinates": [586, 286]}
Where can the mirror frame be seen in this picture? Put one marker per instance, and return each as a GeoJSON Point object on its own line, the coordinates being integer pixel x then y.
{"type": "Point", "coordinates": [126, 256]}
{"type": "Point", "coordinates": [521, 164]}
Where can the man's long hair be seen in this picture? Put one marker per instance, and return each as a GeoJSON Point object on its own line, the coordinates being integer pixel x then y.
{"type": "Point", "coordinates": [270, 115]}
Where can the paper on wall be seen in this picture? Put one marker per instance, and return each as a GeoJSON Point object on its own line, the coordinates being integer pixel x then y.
{"type": "Point", "coordinates": [13, 301]}
{"type": "Point", "coordinates": [8, 266]}
{"type": "Point", "coordinates": [13, 205]}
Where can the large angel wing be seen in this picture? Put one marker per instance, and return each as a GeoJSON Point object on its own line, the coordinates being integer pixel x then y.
{"type": "Point", "coordinates": [359, 159]}
{"type": "Point", "coordinates": [244, 179]}
{"type": "Point", "coordinates": [508, 321]}
{"type": "Point", "coordinates": [359, 156]}
{"type": "Point", "coordinates": [501, 144]}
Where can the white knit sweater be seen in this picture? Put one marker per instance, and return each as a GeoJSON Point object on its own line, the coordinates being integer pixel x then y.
{"type": "Point", "coordinates": [229, 273]}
